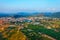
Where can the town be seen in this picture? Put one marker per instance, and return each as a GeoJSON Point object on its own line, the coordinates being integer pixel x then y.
{"type": "Point", "coordinates": [31, 27]}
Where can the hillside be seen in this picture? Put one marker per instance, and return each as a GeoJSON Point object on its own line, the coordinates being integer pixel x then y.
{"type": "Point", "coordinates": [25, 14]}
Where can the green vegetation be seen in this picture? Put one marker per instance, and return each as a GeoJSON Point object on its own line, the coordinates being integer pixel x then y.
{"type": "Point", "coordinates": [36, 29]}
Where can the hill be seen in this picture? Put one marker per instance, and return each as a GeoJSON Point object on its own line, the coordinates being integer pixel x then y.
{"type": "Point", "coordinates": [26, 14]}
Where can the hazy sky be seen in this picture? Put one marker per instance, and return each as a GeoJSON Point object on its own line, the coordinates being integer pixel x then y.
{"type": "Point", "coordinates": [29, 5]}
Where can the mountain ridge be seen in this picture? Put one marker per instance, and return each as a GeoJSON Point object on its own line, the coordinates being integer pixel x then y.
{"type": "Point", "coordinates": [24, 14]}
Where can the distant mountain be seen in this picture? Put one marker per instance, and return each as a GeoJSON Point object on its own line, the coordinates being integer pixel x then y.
{"type": "Point", "coordinates": [26, 14]}
{"type": "Point", "coordinates": [3, 15]}
{"type": "Point", "coordinates": [48, 14]}
{"type": "Point", "coordinates": [53, 15]}
{"type": "Point", "coordinates": [6, 14]}
{"type": "Point", "coordinates": [56, 14]}
{"type": "Point", "coordinates": [21, 14]}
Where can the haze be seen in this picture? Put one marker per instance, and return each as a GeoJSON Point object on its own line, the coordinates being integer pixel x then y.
{"type": "Point", "coordinates": [29, 6]}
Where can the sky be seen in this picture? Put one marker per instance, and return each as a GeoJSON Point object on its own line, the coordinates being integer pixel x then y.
{"type": "Point", "coordinates": [29, 6]}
